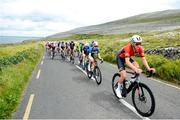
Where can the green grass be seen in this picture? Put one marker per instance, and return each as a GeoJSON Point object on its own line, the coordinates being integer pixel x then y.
{"type": "Point", "coordinates": [11, 49]}
{"type": "Point", "coordinates": [166, 69]}
{"type": "Point", "coordinates": [13, 80]}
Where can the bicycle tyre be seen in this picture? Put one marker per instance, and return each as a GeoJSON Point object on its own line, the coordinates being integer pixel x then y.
{"type": "Point", "coordinates": [142, 88]}
{"type": "Point", "coordinates": [89, 73]}
{"type": "Point", "coordinates": [98, 81]}
{"type": "Point", "coordinates": [115, 85]}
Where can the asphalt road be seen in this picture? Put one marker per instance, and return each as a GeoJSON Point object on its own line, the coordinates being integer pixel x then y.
{"type": "Point", "coordinates": [63, 91]}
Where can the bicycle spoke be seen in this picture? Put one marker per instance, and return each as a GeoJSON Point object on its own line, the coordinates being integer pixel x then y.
{"type": "Point", "coordinates": [141, 100]}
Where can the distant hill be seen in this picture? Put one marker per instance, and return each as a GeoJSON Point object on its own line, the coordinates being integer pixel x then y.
{"type": "Point", "coordinates": [155, 21]}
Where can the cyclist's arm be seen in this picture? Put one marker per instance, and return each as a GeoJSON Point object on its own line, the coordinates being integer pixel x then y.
{"type": "Point", "coordinates": [99, 56]}
{"type": "Point", "coordinates": [127, 60]}
{"type": "Point", "coordinates": [145, 63]}
{"type": "Point", "coordinates": [82, 52]}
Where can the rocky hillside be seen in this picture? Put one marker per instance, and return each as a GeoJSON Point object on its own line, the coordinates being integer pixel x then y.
{"type": "Point", "coordinates": [155, 21]}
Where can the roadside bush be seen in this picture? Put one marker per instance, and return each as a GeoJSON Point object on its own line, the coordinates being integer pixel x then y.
{"type": "Point", "coordinates": [17, 58]}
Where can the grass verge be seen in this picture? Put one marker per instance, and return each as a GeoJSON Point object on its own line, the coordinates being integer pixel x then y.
{"type": "Point", "coordinates": [13, 80]}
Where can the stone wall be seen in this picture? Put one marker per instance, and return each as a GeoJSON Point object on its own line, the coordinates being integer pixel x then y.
{"type": "Point", "coordinates": [170, 52]}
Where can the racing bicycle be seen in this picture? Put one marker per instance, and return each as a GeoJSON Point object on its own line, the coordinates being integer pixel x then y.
{"type": "Point", "coordinates": [142, 96]}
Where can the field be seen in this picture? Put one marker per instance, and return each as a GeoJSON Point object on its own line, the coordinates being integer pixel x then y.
{"type": "Point", "coordinates": [16, 65]}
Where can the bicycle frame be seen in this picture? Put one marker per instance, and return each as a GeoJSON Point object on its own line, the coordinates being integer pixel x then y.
{"type": "Point", "coordinates": [132, 84]}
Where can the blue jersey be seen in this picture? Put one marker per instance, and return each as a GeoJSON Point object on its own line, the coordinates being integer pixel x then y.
{"type": "Point", "coordinates": [86, 49]}
{"type": "Point", "coordinates": [93, 50]}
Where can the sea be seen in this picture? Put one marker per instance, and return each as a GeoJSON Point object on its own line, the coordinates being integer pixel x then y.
{"type": "Point", "coordinates": [15, 39]}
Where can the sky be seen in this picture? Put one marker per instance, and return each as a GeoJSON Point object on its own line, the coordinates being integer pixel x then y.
{"type": "Point", "coordinates": [46, 17]}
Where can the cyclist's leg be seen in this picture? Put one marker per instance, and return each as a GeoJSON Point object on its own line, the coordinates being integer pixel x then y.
{"type": "Point", "coordinates": [121, 68]}
{"type": "Point", "coordinates": [91, 58]}
{"type": "Point", "coordinates": [122, 72]}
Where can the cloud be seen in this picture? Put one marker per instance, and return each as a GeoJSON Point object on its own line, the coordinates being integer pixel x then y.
{"type": "Point", "coordinates": [52, 16]}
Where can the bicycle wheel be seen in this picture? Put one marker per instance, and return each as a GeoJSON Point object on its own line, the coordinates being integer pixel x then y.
{"type": "Point", "coordinates": [89, 73]}
{"type": "Point", "coordinates": [62, 55]}
{"type": "Point", "coordinates": [97, 75]}
{"type": "Point", "coordinates": [115, 83]}
{"type": "Point", "coordinates": [52, 55]}
{"type": "Point", "coordinates": [72, 59]}
{"type": "Point", "coordinates": [143, 100]}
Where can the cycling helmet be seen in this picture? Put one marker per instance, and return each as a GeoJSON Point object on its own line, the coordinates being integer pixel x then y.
{"type": "Point", "coordinates": [86, 44]}
{"type": "Point", "coordinates": [95, 43]}
{"type": "Point", "coordinates": [136, 39]}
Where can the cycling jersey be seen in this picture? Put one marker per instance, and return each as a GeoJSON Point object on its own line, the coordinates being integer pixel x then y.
{"type": "Point", "coordinates": [81, 48]}
{"type": "Point", "coordinates": [129, 50]}
{"type": "Point", "coordinates": [86, 50]}
{"type": "Point", "coordinates": [53, 47]}
{"type": "Point", "coordinates": [72, 45]}
{"type": "Point", "coordinates": [62, 46]}
{"type": "Point", "coordinates": [58, 44]}
{"type": "Point", "coordinates": [93, 51]}
{"type": "Point", "coordinates": [67, 45]}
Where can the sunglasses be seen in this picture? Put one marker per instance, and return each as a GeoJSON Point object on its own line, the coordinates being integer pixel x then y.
{"type": "Point", "coordinates": [138, 43]}
{"type": "Point", "coordinates": [95, 46]}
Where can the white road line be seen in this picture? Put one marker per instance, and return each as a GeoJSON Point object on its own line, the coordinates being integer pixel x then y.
{"type": "Point", "coordinates": [28, 108]}
{"type": "Point", "coordinates": [132, 109]}
{"type": "Point", "coordinates": [42, 62]}
{"type": "Point", "coordinates": [165, 83]}
{"type": "Point", "coordinates": [81, 70]}
{"type": "Point", "coordinates": [84, 72]}
{"type": "Point", "coordinates": [121, 100]}
{"type": "Point", "coordinates": [38, 74]}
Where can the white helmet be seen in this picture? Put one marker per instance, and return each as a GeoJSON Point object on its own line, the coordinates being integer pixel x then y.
{"type": "Point", "coordinates": [86, 44]}
{"type": "Point", "coordinates": [136, 39]}
{"type": "Point", "coordinates": [95, 43]}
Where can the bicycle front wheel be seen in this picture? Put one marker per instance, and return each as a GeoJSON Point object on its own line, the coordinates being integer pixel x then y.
{"type": "Point", "coordinates": [89, 73]}
{"type": "Point", "coordinates": [97, 75]}
{"type": "Point", "coordinates": [143, 100]}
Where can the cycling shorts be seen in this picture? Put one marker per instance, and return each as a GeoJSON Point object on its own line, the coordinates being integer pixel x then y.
{"type": "Point", "coordinates": [121, 62]}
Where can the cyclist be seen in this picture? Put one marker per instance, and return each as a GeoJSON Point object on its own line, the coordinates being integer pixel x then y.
{"type": "Point", "coordinates": [133, 48]}
{"type": "Point", "coordinates": [81, 47]}
{"type": "Point", "coordinates": [72, 45]}
{"type": "Point", "coordinates": [66, 48]}
{"type": "Point", "coordinates": [53, 47]}
{"type": "Point", "coordinates": [77, 47]}
{"type": "Point", "coordinates": [62, 46]}
{"type": "Point", "coordinates": [94, 50]}
{"type": "Point", "coordinates": [80, 53]}
{"type": "Point", "coordinates": [85, 52]}
{"type": "Point", "coordinates": [58, 46]}
{"type": "Point", "coordinates": [47, 46]}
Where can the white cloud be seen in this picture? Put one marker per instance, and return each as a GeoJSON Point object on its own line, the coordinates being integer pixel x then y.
{"type": "Point", "coordinates": [62, 15]}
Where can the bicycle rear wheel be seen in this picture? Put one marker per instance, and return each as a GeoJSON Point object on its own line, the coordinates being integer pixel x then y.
{"type": "Point", "coordinates": [143, 100]}
{"type": "Point", "coordinates": [115, 83]}
{"type": "Point", "coordinates": [97, 75]}
{"type": "Point", "coordinates": [72, 59]}
{"type": "Point", "coordinates": [62, 55]}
